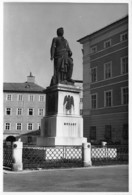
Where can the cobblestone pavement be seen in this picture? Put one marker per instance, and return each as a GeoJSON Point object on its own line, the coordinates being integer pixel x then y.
{"type": "Point", "coordinates": [93, 179]}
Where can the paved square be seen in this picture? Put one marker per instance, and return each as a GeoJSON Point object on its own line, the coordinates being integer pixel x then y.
{"type": "Point", "coordinates": [93, 179]}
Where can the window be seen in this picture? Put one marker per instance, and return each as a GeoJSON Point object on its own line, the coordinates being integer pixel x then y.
{"type": "Point", "coordinates": [124, 94]}
{"type": "Point", "coordinates": [124, 65]}
{"type": "Point", "coordinates": [8, 111]}
{"type": "Point", "coordinates": [20, 97]}
{"type": "Point", "coordinates": [30, 126]}
{"type": "Point", "coordinates": [9, 97]}
{"type": "Point", "coordinates": [107, 43]}
{"type": "Point", "coordinates": [7, 126]}
{"type": "Point", "coordinates": [39, 126]}
{"type": "Point", "coordinates": [124, 36]}
{"type": "Point", "coordinates": [93, 133]}
{"type": "Point", "coordinates": [94, 49]}
{"type": "Point", "coordinates": [41, 112]}
{"type": "Point", "coordinates": [108, 98]}
{"type": "Point", "coordinates": [19, 126]}
{"type": "Point", "coordinates": [108, 70]}
{"type": "Point", "coordinates": [94, 74]}
{"type": "Point", "coordinates": [29, 139]}
{"type": "Point", "coordinates": [81, 112]}
{"type": "Point", "coordinates": [125, 132]}
{"type": "Point", "coordinates": [19, 111]}
{"type": "Point", "coordinates": [108, 132]}
{"type": "Point", "coordinates": [31, 98]}
{"type": "Point", "coordinates": [81, 99]}
{"type": "Point", "coordinates": [41, 98]}
{"type": "Point", "coordinates": [30, 111]}
{"type": "Point", "coordinates": [94, 101]}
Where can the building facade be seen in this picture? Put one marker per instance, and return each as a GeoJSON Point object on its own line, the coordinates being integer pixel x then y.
{"type": "Point", "coordinates": [79, 83]}
{"type": "Point", "coordinates": [24, 107]}
{"type": "Point", "coordinates": [105, 83]}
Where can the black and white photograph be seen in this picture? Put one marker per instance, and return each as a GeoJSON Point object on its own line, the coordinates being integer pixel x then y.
{"type": "Point", "coordinates": [65, 89]}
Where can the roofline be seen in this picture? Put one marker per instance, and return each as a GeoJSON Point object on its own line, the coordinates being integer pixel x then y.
{"type": "Point", "coordinates": [92, 34]}
{"type": "Point", "coordinates": [23, 91]}
{"type": "Point", "coordinates": [19, 91]}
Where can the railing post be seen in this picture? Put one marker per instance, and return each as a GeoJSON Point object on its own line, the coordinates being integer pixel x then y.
{"type": "Point", "coordinates": [86, 154]}
{"type": "Point", "coordinates": [17, 156]}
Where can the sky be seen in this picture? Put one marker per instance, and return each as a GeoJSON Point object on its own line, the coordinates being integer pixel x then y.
{"type": "Point", "coordinates": [30, 27]}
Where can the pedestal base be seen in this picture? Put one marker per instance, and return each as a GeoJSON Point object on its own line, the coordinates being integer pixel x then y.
{"type": "Point", "coordinates": [61, 130]}
{"type": "Point", "coordinates": [63, 124]}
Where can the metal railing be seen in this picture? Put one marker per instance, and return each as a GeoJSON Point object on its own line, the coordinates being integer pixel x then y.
{"type": "Point", "coordinates": [113, 154]}
{"type": "Point", "coordinates": [7, 155]}
{"type": "Point", "coordinates": [34, 157]}
{"type": "Point", "coordinates": [52, 157]}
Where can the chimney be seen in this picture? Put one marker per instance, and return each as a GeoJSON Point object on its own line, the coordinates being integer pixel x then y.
{"type": "Point", "coordinates": [31, 78]}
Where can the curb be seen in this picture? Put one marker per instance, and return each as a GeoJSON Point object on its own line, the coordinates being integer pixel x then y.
{"type": "Point", "coordinates": [60, 169]}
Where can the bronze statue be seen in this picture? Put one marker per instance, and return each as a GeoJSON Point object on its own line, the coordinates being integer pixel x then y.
{"type": "Point", "coordinates": [63, 62]}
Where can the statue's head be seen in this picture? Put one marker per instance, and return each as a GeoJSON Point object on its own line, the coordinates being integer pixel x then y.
{"type": "Point", "coordinates": [60, 31]}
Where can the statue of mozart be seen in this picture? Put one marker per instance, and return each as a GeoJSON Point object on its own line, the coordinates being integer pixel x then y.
{"type": "Point", "coordinates": [63, 62]}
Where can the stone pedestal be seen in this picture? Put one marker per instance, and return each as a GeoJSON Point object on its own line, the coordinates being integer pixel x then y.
{"type": "Point", "coordinates": [63, 124]}
{"type": "Point", "coordinates": [17, 156]}
{"type": "Point", "coordinates": [86, 154]}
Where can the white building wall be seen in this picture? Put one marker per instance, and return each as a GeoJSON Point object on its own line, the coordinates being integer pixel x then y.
{"type": "Point", "coordinates": [25, 104]}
